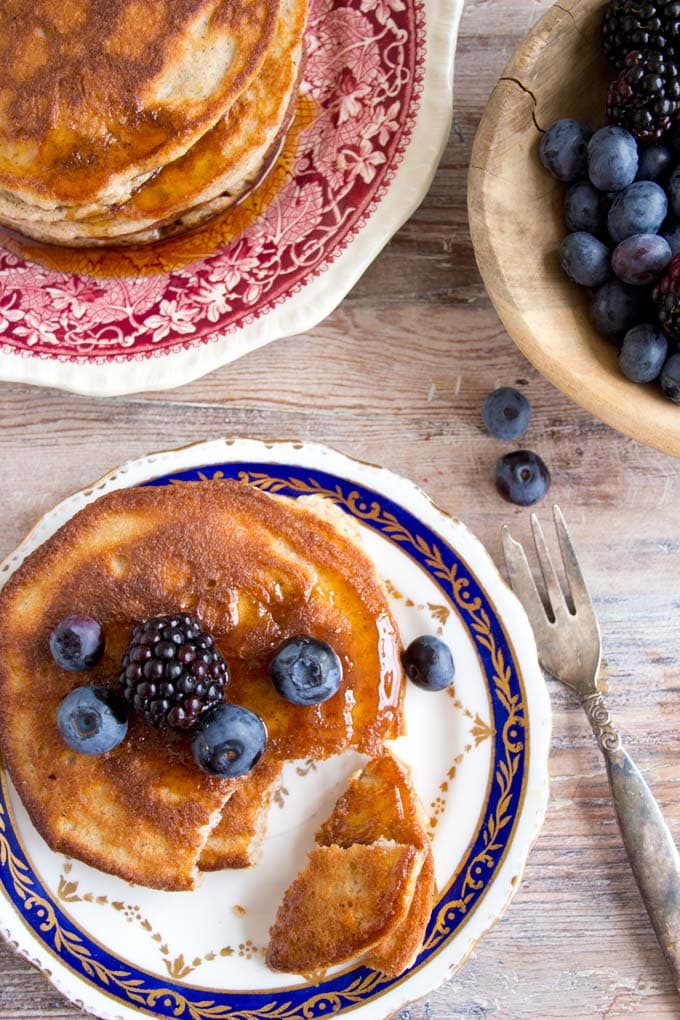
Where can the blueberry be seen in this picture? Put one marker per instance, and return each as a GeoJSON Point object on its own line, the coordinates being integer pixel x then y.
{"type": "Point", "coordinates": [640, 259]}
{"type": "Point", "coordinates": [305, 671]}
{"type": "Point", "coordinates": [564, 149]}
{"type": "Point", "coordinates": [92, 720]}
{"type": "Point", "coordinates": [643, 353]}
{"type": "Point", "coordinates": [228, 741]}
{"type": "Point", "coordinates": [673, 190]}
{"type": "Point", "coordinates": [654, 163]}
{"type": "Point", "coordinates": [77, 643]}
{"type": "Point", "coordinates": [670, 378]}
{"type": "Point", "coordinates": [584, 208]}
{"type": "Point", "coordinates": [612, 159]}
{"type": "Point", "coordinates": [522, 477]}
{"type": "Point", "coordinates": [640, 208]}
{"type": "Point", "coordinates": [429, 664]}
{"type": "Point", "coordinates": [671, 233]}
{"type": "Point", "coordinates": [614, 309]}
{"type": "Point", "coordinates": [506, 413]}
{"type": "Point", "coordinates": [584, 259]}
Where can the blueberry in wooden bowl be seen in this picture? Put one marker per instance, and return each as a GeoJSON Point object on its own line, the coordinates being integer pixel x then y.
{"type": "Point", "coordinates": [518, 225]}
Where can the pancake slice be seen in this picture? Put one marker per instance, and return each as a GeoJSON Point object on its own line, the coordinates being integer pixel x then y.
{"type": "Point", "coordinates": [236, 840]}
{"type": "Point", "coordinates": [381, 803]}
{"type": "Point", "coordinates": [344, 902]}
{"type": "Point", "coordinates": [254, 569]}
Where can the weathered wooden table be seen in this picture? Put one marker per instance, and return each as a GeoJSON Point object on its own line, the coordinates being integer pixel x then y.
{"type": "Point", "coordinates": [397, 375]}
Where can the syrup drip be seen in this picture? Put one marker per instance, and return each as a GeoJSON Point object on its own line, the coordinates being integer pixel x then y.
{"type": "Point", "coordinates": [169, 254]}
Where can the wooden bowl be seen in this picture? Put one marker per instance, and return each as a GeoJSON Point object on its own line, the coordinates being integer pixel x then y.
{"type": "Point", "coordinates": [517, 223]}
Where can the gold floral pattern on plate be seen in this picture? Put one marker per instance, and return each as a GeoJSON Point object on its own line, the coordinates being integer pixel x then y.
{"type": "Point", "coordinates": [178, 967]}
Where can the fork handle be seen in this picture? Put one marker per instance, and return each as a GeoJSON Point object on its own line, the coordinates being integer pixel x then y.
{"type": "Point", "coordinates": [651, 851]}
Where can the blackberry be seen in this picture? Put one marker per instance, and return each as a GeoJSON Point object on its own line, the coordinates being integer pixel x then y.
{"type": "Point", "coordinates": [667, 299]}
{"type": "Point", "coordinates": [641, 25]}
{"type": "Point", "coordinates": [172, 672]}
{"type": "Point", "coordinates": [645, 98]}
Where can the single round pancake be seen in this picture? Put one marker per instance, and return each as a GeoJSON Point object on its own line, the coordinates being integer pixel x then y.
{"type": "Point", "coordinates": [254, 569]}
{"type": "Point", "coordinates": [97, 95]}
{"type": "Point", "coordinates": [215, 172]}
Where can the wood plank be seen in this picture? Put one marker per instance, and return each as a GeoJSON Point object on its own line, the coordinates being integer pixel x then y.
{"type": "Point", "coordinates": [411, 354]}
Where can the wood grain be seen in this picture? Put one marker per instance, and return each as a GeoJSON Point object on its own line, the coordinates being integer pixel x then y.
{"type": "Point", "coordinates": [397, 375]}
{"type": "Point", "coordinates": [517, 222]}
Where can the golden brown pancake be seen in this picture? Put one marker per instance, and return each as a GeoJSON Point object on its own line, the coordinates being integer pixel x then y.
{"type": "Point", "coordinates": [236, 840]}
{"type": "Point", "coordinates": [399, 949]}
{"type": "Point", "coordinates": [212, 175]}
{"type": "Point", "coordinates": [255, 570]}
{"type": "Point", "coordinates": [343, 903]}
{"type": "Point", "coordinates": [381, 803]}
{"type": "Point", "coordinates": [96, 95]}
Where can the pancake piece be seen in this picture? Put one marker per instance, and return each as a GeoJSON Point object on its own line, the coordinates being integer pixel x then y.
{"type": "Point", "coordinates": [344, 902]}
{"type": "Point", "coordinates": [381, 803]}
{"type": "Point", "coordinates": [254, 570]}
{"type": "Point", "coordinates": [213, 174]}
{"type": "Point", "coordinates": [236, 840]}
{"type": "Point", "coordinates": [399, 949]}
{"type": "Point", "coordinates": [96, 95]}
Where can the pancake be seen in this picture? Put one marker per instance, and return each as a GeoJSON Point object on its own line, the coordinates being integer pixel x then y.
{"type": "Point", "coordinates": [254, 569]}
{"type": "Point", "coordinates": [381, 803]}
{"type": "Point", "coordinates": [236, 840]}
{"type": "Point", "coordinates": [215, 172]}
{"type": "Point", "coordinates": [96, 95]}
{"type": "Point", "coordinates": [344, 902]}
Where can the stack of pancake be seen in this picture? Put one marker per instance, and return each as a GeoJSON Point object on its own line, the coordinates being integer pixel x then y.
{"type": "Point", "coordinates": [123, 122]}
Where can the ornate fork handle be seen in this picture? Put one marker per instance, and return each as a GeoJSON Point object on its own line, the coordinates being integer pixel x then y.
{"type": "Point", "coordinates": [649, 845]}
{"type": "Point", "coordinates": [601, 721]}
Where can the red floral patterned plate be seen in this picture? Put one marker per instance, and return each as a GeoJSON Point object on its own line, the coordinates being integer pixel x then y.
{"type": "Point", "coordinates": [372, 122]}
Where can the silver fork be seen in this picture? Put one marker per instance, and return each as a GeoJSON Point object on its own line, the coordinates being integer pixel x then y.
{"type": "Point", "coordinates": [568, 640]}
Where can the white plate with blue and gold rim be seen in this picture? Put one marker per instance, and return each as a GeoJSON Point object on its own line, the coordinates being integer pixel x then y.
{"type": "Point", "coordinates": [479, 756]}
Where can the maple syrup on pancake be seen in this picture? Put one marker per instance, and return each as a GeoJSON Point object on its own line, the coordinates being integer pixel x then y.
{"type": "Point", "coordinates": [169, 254]}
{"type": "Point", "coordinates": [369, 715]}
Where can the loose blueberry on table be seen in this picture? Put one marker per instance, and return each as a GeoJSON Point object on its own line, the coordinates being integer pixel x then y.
{"type": "Point", "coordinates": [506, 413]}
{"type": "Point", "coordinates": [521, 477]}
{"type": "Point", "coordinates": [622, 209]}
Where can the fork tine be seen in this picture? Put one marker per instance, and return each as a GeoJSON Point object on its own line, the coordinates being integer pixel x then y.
{"type": "Point", "coordinates": [521, 581]}
{"type": "Point", "coordinates": [552, 585]}
{"type": "Point", "coordinates": [580, 595]}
